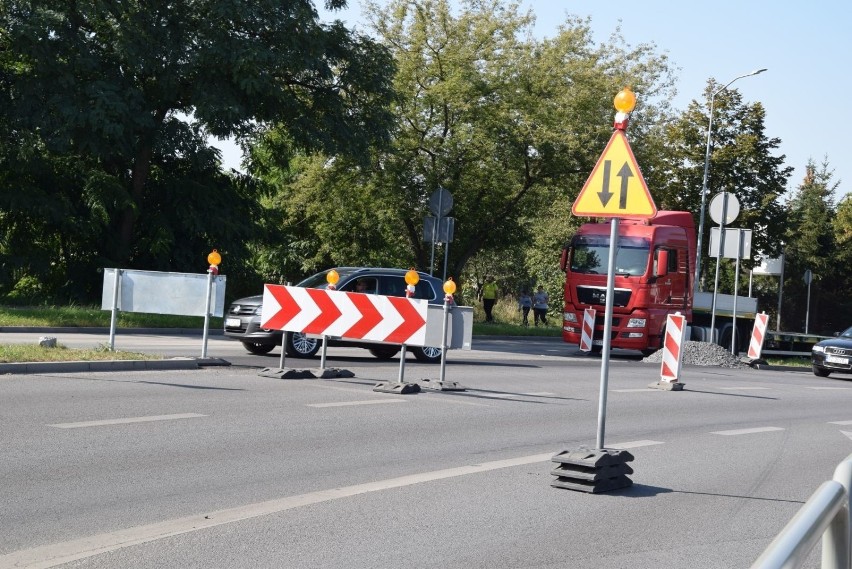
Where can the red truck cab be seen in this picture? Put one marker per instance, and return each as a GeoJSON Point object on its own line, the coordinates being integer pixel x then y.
{"type": "Point", "coordinates": [654, 269]}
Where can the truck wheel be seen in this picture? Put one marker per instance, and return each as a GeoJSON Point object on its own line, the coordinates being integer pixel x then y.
{"type": "Point", "coordinates": [258, 349]}
{"type": "Point", "coordinates": [300, 346]}
{"type": "Point", "coordinates": [384, 352]}
{"type": "Point", "coordinates": [820, 371]}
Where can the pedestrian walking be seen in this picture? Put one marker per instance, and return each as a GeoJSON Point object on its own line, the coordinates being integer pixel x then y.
{"type": "Point", "coordinates": [524, 305]}
{"type": "Point", "coordinates": [488, 294]}
{"type": "Point", "coordinates": [540, 300]}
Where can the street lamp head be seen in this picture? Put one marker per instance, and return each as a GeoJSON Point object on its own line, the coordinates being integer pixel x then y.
{"type": "Point", "coordinates": [757, 72]}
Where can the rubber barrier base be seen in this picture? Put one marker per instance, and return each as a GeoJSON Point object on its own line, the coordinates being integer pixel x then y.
{"type": "Point", "coordinates": [286, 373]}
{"type": "Point", "coordinates": [592, 471]}
{"type": "Point", "coordinates": [397, 387]}
{"type": "Point", "coordinates": [436, 385]}
{"type": "Point", "coordinates": [667, 386]}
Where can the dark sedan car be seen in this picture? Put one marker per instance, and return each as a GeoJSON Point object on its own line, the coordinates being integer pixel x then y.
{"type": "Point", "coordinates": [833, 355]}
{"type": "Point", "coordinates": [242, 320]}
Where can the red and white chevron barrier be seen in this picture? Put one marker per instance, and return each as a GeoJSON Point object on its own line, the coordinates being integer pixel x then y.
{"type": "Point", "coordinates": [390, 319]}
{"type": "Point", "coordinates": [673, 348]}
{"type": "Point", "coordinates": [588, 329]}
{"type": "Point", "coordinates": [758, 334]}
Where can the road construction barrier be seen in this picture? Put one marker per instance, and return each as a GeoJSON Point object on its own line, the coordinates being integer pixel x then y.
{"type": "Point", "coordinates": [588, 330]}
{"type": "Point", "coordinates": [758, 334]}
{"type": "Point", "coordinates": [824, 516]}
{"type": "Point", "coordinates": [673, 342]}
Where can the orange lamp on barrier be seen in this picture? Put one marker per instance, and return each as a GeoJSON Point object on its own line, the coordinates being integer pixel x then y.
{"type": "Point", "coordinates": [214, 258]}
{"type": "Point", "coordinates": [411, 279]}
{"type": "Point", "coordinates": [449, 290]}
{"type": "Point", "coordinates": [332, 277]}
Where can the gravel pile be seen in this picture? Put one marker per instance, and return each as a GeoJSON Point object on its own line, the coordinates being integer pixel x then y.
{"type": "Point", "coordinates": [703, 354]}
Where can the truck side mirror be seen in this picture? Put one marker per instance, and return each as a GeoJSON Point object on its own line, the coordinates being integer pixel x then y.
{"type": "Point", "coordinates": [563, 260]}
{"type": "Point", "coordinates": [662, 268]}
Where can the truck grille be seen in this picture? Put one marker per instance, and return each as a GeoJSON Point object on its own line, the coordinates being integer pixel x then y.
{"type": "Point", "coordinates": [597, 295]}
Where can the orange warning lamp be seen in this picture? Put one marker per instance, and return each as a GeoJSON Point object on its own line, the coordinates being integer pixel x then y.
{"type": "Point", "coordinates": [214, 258]}
{"type": "Point", "coordinates": [332, 277]}
{"type": "Point", "coordinates": [624, 103]}
{"type": "Point", "coordinates": [450, 286]}
{"type": "Point", "coordinates": [411, 277]}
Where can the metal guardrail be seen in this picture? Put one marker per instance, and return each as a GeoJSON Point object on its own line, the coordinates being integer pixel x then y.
{"type": "Point", "coordinates": [826, 516]}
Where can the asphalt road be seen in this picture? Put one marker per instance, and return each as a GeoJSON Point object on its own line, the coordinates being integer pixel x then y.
{"type": "Point", "coordinates": [223, 467]}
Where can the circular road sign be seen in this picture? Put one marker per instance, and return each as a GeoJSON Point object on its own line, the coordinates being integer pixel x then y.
{"type": "Point", "coordinates": [440, 202]}
{"type": "Point", "coordinates": [718, 203]}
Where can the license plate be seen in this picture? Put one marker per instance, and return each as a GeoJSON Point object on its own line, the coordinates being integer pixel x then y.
{"type": "Point", "coordinates": [836, 360]}
{"type": "Point", "coordinates": [597, 342]}
{"type": "Point", "coordinates": [232, 322]}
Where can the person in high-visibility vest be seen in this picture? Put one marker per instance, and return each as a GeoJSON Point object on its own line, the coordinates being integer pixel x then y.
{"type": "Point", "coordinates": [488, 294]}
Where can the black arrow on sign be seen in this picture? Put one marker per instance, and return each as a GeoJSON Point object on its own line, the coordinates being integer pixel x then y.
{"type": "Point", "coordinates": [605, 194]}
{"type": "Point", "coordinates": [625, 173]}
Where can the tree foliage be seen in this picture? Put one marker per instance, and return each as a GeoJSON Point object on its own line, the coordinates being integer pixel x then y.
{"type": "Point", "coordinates": [110, 104]}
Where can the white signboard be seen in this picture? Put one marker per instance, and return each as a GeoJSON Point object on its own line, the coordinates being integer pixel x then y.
{"type": "Point", "coordinates": [732, 243]}
{"type": "Point", "coordinates": [184, 294]}
{"type": "Point", "coordinates": [770, 266]}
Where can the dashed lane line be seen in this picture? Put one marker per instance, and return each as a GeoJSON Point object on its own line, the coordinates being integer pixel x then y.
{"type": "Point", "coordinates": [126, 421]}
{"type": "Point", "coordinates": [747, 431]}
{"type": "Point", "coordinates": [351, 403]}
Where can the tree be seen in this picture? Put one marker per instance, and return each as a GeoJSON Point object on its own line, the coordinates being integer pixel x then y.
{"type": "Point", "coordinates": [810, 245]}
{"type": "Point", "coordinates": [128, 91]}
{"type": "Point", "coordinates": [741, 162]}
{"type": "Point", "coordinates": [509, 125]}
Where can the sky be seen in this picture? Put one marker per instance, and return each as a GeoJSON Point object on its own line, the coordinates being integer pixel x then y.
{"type": "Point", "coordinates": [801, 44]}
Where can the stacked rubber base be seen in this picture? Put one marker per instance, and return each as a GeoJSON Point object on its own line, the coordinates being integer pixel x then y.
{"type": "Point", "coordinates": [593, 471]}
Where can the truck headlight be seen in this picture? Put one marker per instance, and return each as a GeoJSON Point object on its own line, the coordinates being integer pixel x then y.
{"type": "Point", "coordinates": [636, 323]}
{"type": "Point", "coordinates": [634, 334]}
{"type": "Point", "coordinates": [570, 317]}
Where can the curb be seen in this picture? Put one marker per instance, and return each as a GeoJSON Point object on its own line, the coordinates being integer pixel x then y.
{"type": "Point", "coordinates": [110, 365]}
{"type": "Point", "coordinates": [89, 330]}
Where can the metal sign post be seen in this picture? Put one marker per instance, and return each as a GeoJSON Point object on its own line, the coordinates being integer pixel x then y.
{"type": "Point", "coordinates": [607, 332]}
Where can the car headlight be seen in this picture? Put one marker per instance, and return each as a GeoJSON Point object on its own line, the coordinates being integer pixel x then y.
{"type": "Point", "coordinates": [570, 317]}
{"type": "Point", "coordinates": [636, 323]}
{"type": "Point", "coordinates": [818, 349]}
{"type": "Point", "coordinates": [258, 310]}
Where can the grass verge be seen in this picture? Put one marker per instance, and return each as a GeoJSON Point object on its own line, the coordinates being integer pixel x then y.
{"type": "Point", "coordinates": [20, 353]}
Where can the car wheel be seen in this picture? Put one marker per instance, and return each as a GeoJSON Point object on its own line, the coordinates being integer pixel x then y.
{"type": "Point", "coordinates": [384, 352]}
{"type": "Point", "coordinates": [820, 372]}
{"type": "Point", "coordinates": [427, 354]}
{"type": "Point", "coordinates": [258, 349]}
{"type": "Point", "coordinates": [301, 346]}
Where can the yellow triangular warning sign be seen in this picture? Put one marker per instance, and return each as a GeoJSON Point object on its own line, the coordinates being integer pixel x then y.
{"type": "Point", "coordinates": [616, 187]}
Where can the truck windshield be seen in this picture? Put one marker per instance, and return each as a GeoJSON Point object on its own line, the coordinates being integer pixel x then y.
{"type": "Point", "coordinates": [590, 254]}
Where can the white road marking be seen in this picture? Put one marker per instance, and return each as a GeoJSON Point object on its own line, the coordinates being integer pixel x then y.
{"type": "Point", "coordinates": [636, 390]}
{"type": "Point", "coordinates": [742, 388]}
{"type": "Point", "coordinates": [634, 444]}
{"type": "Point", "coordinates": [840, 423]}
{"type": "Point", "coordinates": [65, 552]}
{"type": "Point", "coordinates": [747, 431]}
{"type": "Point", "coordinates": [830, 388]}
{"type": "Point", "coordinates": [125, 421]}
{"type": "Point", "coordinates": [349, 403]}
{"type": "Point", "coordinates": [539, 394]}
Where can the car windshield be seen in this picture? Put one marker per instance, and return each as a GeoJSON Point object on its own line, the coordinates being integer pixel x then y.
{"type": "Point", "coordinates": [846, 333]}
{"type": "Point", "coordinates": [590, 254]}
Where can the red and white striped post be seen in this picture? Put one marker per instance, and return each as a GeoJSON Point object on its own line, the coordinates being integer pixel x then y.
{"type": "Point", "coordinates": [758, 335]}
{"type": "Point", "coordinates": [588, 329]}
{"type": "Point", "coordinates": [673, 344]}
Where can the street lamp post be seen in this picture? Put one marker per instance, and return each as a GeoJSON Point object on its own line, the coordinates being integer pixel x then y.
{"type": "Point", "coordinates": [706, 172]}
